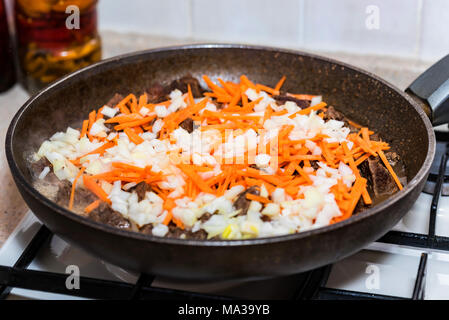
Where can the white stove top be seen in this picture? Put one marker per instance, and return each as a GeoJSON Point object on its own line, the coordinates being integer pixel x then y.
{"type": "Point", "coordinates": [380, 268]}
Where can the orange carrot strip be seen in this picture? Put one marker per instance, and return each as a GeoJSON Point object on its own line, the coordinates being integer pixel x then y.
{"type": "Point", "coordinates": [190, 96]}
{"type": "Point", "coordinates": [168, 217]}
{"type": "Point", "coordinates": [133, 137]}
{"type": "Point", "coordinates": [390, 169]}
{"type": "Point", "coordinates": [84, 129]}
{"type": "Point", "coordinates": [305, 157]}
{"type": "Point", "coordinates": [72, 193]}
{"type": "Point", "coordinates": [361, 159]}
{"type": "Point", "coordinates": [134, 123]}
{"type": "Point", "coordinates": [124, 118]}
{"type": "Point", "coordinates": [366, 197]}
{"type": "Point", "coordinates": [305, 111]}
{"type": "Point", "coordinates": [356, 192]}
{"type": "Point", "coordinates": [143, 100]}
{"type": "Point", "coordinates": [94, 205]}
{"type": "Point", "coordinates": [254, 197]}
{"type": "Point", "coordinates": [279, 84]}
{"type": "Point", "coordinates": [100, 150]}
{"type": "Point", "coordinates": [244, 80]}
{"type": "Point", "coordinates": [122, 104]}
{"type": "Point", "coordinates": [91, 185]}
{"type": "Point", "coordinates": [303, 173]}
{"type": "Point", "coordinates": [92, 115]}
{"type": "Point", "coordinates": [195, 178]}
{"type": "Point", "coordinates": [266, 89]}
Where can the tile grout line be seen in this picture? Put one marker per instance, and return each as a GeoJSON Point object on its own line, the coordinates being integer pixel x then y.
{"type": "Point", "coordinates": [190, 19]}
{"type": "Point", "coordinates": [417, 49]}
{"type": "Point", "coordinates": [301, 35]}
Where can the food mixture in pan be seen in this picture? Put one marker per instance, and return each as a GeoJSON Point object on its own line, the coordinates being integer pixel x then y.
{"type": "Point", "coordinates": [237, 160]}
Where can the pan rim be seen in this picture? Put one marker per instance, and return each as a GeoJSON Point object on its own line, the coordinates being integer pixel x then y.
{"type": "Point", "coordinates": [20, 178]}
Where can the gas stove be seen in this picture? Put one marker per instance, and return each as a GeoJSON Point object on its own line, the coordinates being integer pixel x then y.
{"type": "Point", "coordinates": [409, 262]}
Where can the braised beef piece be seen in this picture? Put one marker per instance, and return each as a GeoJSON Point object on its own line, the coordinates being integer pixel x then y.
{"type": "Point", "coordinates": [141, 189]}
{"type": "Point", "coordinates": [299, 102]}
{"type": "Point", "coordinates": [187, 125]}
{"type": "Point", "coordinates": [37, 167]}
{"type": "Point", "coordinates": [82, 196]}
{"type": "Point", "coordinates": [332, 114]}
{"type": "Point", "coordinates": [182, 85]}
{"type": "Point", "coordinates": [314, 164]}
{"type": "Point", "coordinates": [115, 100]}
{"type": "Point", "coordinates": [156, 93]}
{"type": "Point", "coordinates": [147, 229]}
{"type": "Point", "coordinates": [105, 214]}
{"type": "Point", "coordinates": [392, 157]}
{"type": "Point", "coordinates": [206, 216]}
{"type": "Point", "coordinates": [175, 232]}
{"type": "Point", "coordinates": [242, 202]}
{"type": "Point", "coordinates": [382, 181]}
{"type": "Point", "coordinates": [110, 126]}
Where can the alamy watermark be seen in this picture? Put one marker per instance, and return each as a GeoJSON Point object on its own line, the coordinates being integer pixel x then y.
{"type": "Point", "coordinates": [372, 282]}
{"type": "Point", "coordinates": [72, 282]}
{"type": "Point", "coordinates": [372, 21]}
{"type": "Point", "coordinates": [73, 20]}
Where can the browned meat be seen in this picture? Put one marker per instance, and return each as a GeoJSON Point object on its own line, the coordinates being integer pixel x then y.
{"type": "Point", "coordinates": [242, 203]}
{"type": "Point", "coordinates": [37, 167]}
{"type": "Point", "coordinates": [82, 196]}
{"type": "Point", "coordinates": [314, 164]}
{"type": "Point", "coordinates": [115, 100]}
{"type": "Point", "coordinates": [187, 125]}
{"type": "Point", "coordinates": [147, 229]}
{"type": "Point", "coordinates": [104, 214]}
{"type": "Point", "coordinates": [332, 114]}
{"type": "Point", "coordinates": [182, 83]}
{"type": "Point", "coordinates": [383, 183]}
{"type": "Point", "coordinates": [141, 189]}
{"type": "Point", "coordinates": [299, 102]}
{"type": "Point", "coordinates": [156, 93]}
{"type": "Point", "coordinates": [206, 216]}
{"type": "Point", "coordinates": [392, 157]}
{"type": "Point", "coordinates": [175, 232]}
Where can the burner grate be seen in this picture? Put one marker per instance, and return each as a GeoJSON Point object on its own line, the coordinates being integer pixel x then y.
{"type": "Point", "coordinates": [311, 285]}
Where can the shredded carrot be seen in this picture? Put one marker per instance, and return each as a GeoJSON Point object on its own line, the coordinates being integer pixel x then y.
{"type": "Point", "coordinates": [255, 197]}
{"type": "Point", "coordinates": [296, 162]}
{"type": "Point", "coordinates": [279, 84]}
{"type": "Point", "coordinates": [133, 137]}
{"type": "Point", "coordinates": [91, 207]}
{"type": "Point", "coordinates": [72, 193]}
{"type": "Point", "coordinates": [84, 129]}
{"type": "Point", "coordinates": [390, 169]}
{"type": "Point", "coordinates": [90, 184]}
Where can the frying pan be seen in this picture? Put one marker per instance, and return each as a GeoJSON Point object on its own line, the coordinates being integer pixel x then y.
{"type": "Point", "coordinates": [397, 116]}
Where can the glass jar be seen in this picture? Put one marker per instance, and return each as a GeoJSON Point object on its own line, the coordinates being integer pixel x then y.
{"type": "Point", "coordinates": [7, 71]}
{"type": "Point", "coordinates": [55, 37]}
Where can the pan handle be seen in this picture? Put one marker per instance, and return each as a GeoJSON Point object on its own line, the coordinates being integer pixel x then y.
{"type": "Point", "coordinates": [431, 91]}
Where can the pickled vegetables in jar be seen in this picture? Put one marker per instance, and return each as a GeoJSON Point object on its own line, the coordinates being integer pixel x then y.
{"type": "Point", "coordinates": [7, 71]}
{"type": "Point", "coordinates": [55, 37]}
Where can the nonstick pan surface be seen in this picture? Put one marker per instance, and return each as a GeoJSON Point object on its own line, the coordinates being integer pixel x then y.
{"type": "Point", "coordinates": [362, 96]}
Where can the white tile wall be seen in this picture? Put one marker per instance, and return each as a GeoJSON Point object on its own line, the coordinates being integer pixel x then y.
{"type": "Point", "coordinates": [254, 21]}
{"type": "Point", "coordinates": [435, 29]}
{"type": "Point", "coordinates": [342, 26]}
{"type": "Point", "coordinates": [409, 28]}
{"type": "Point", "coordinates": [160, 17]}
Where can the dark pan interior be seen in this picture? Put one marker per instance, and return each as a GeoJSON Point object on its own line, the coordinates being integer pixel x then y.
{"type": "Point", "coordinates": [361, 97]}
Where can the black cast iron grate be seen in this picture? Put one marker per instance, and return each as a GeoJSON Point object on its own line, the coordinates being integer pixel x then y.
{"type": "Point", "coordinates": [312, 284]}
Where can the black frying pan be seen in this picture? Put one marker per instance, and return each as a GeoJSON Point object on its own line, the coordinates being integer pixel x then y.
{"type": "Point", "coordinates": [363, 97]}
